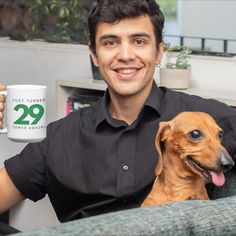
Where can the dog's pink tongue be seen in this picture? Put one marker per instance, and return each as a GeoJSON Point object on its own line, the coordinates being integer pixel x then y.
{"type": "Point", "coordinates": [218, 178]}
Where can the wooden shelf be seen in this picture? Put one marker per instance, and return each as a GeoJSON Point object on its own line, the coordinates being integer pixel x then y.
{"type": "Point", "coordinates": [88, 86]}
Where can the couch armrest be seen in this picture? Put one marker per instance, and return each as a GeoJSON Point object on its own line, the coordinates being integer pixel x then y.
{"type": "Point", "coordinates": [214, 217]}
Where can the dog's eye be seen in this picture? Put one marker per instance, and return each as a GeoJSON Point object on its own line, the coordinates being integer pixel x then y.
{"type": "Point", "coordinates": [195, 135]}
{"type": "Point", "coordinates": [220, 134]}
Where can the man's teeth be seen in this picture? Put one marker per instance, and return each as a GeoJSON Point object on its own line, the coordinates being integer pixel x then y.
{"type": "Point", "coordinates": [127, 71]}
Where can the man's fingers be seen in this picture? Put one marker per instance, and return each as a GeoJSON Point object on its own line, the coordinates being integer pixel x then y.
{"type": "Point", "coordinates": [1, 119]}
{"type": "Point", "coordinates": [2, 106]}
{"type": "Point", "coordinates": [1, 114]}
{"type": "Point", "coordinates": [2, 98]}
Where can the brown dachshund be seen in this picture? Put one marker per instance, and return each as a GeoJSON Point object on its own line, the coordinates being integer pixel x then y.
{"type": "Point", "coordinates": [190, 154]}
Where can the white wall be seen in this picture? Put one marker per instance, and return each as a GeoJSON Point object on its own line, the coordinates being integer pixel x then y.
{"type": "Point", "coordinates": [208, 18]}
{"type": "Point", "coordinates": [43, 63]}
{"type": "Point", "coordinates": [210, 72]}
{"type": "Point", "coordinates": [213, 73]}
{"type": "Point", "coordinates": [38, 63]}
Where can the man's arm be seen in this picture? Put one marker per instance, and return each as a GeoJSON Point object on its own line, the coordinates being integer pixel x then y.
{"type": "Point", "coordinates": [9, 194]}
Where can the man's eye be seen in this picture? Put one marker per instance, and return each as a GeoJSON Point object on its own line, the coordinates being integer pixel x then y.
{"type": "Point", "coordinates": [140, 42]}
{"type": "Point", "coordinates": [110, 43]}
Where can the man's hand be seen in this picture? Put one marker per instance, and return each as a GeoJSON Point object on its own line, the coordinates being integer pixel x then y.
{"type": "Point", "coordinates": [9, 194]}
{"type": "Point", "coordinates": [2, 101]}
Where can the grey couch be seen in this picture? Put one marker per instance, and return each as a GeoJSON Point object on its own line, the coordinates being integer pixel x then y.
{"type": "Point", "coordinates": [216, 217]}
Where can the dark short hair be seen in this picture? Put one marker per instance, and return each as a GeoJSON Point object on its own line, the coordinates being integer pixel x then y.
{"type": "Point", "coordinates": [110, 11]}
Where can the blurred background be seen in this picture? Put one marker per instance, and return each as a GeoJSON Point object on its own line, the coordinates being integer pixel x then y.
{"type": "Point", "coordinates": [43, 41]}
{"type": "Point", "coordinates": [202, 25]}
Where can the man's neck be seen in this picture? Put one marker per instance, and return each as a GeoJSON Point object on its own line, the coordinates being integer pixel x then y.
{"type": "Point", "coordinates": [126, 108]}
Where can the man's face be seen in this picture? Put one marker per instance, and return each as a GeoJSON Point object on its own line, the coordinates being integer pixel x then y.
{"type": "Point", "coordinates": [126, 54]}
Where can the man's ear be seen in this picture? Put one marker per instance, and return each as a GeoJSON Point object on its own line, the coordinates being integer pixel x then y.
{"type": "Point", "coordinates": [163, 132]}
{"type": "Point", "coordinates": [93, 55]}
{"type": "Point", "coordinates": [159, 53]}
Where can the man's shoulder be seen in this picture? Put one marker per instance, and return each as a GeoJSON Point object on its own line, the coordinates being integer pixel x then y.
{"type": "Point", "coordinates": [72, 120]}
{"type": "Point", "coordinates": [189, 99]}
{"type": "Point", "coordinates": [178, 101]}
{"type": "Point", "coordinates": [180, 94]}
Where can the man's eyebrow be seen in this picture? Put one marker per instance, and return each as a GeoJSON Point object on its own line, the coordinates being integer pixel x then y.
{"type": "Point", "coordinates": [113, 36]}
{"type": "Point", "coordinates": [141, 34]}
{"type": "Point", "coordinates": [107, 36]}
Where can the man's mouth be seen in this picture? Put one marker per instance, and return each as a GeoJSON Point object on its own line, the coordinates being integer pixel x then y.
{"type": "Point", "coordinates": [215, 177]}
{"type": "Point", "coordinates": [126, 73]}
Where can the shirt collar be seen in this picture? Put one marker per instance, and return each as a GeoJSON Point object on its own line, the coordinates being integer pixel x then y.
{"type": "Point", "coordinates": [153, 101]}
{"type": "Point", "coordinates": [155, 98]}
{"type": "Point", "coordinates": [103, 113]}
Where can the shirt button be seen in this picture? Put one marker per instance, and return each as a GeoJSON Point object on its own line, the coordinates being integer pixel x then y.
{"type": "Point", "coordinates": [125, 167]}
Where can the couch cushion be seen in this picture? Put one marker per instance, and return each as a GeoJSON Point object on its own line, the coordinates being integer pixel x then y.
{"type": "Point", "coordinates": [217, 217]}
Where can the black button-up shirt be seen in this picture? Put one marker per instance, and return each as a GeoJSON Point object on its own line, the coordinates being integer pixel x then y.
{"type": "Point", "coordinates": [91, 163]}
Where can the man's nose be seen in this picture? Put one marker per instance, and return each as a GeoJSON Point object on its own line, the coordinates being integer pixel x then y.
{"type": "Point", "coordinates": [126, 52]}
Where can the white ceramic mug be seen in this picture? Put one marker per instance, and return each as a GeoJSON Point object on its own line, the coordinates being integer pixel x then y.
{"type": "Point", "coordinates": [25, 113]}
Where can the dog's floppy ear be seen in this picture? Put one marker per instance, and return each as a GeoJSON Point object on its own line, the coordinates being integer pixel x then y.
{"type": "Point", "coordinates": [163, 132]}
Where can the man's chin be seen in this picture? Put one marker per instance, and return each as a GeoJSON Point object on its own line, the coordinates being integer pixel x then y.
{"type": "Point", "coordinates": [126, 92]}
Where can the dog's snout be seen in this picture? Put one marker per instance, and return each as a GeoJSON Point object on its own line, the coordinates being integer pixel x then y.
{"type": "Point", "coordinates": [225, 162]}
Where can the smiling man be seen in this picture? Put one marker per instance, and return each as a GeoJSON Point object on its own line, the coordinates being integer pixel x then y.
{"type": "Point", "coordinates": [102, 158]}
{"type": "Point", "coordinates": [126, 53]}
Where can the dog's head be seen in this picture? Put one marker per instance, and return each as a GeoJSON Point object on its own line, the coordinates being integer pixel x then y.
{"type": "Point", "coordinates": [195, 138]}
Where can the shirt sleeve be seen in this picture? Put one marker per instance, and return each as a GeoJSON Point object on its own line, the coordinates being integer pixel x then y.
{"type": "Point", "coordinates": [26, 170]}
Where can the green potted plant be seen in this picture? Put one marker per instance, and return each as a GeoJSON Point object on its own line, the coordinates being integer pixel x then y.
{"type": "Point", "coordinates": [59, 21]}
{"type": "Point", "coordinates": [177, 71]}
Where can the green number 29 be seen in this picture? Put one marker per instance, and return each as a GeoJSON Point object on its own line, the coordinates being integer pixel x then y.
{"type": "Point", "coordinates": [36, 111]}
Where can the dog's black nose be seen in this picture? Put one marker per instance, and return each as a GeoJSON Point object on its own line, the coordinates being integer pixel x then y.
{"type": "Point", "coordinates": [226, 162]}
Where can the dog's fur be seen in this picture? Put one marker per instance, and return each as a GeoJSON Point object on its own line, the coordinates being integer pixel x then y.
{"type": "Point", "coordinates": [190, 153]}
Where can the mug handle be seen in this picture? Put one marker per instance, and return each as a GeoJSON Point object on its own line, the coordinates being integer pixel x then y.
{"type": "Point", "coordinates": [4, 130]}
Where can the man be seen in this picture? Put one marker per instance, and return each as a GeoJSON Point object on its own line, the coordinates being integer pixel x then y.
{"type": "Point", "coordinates": [102, 158]}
